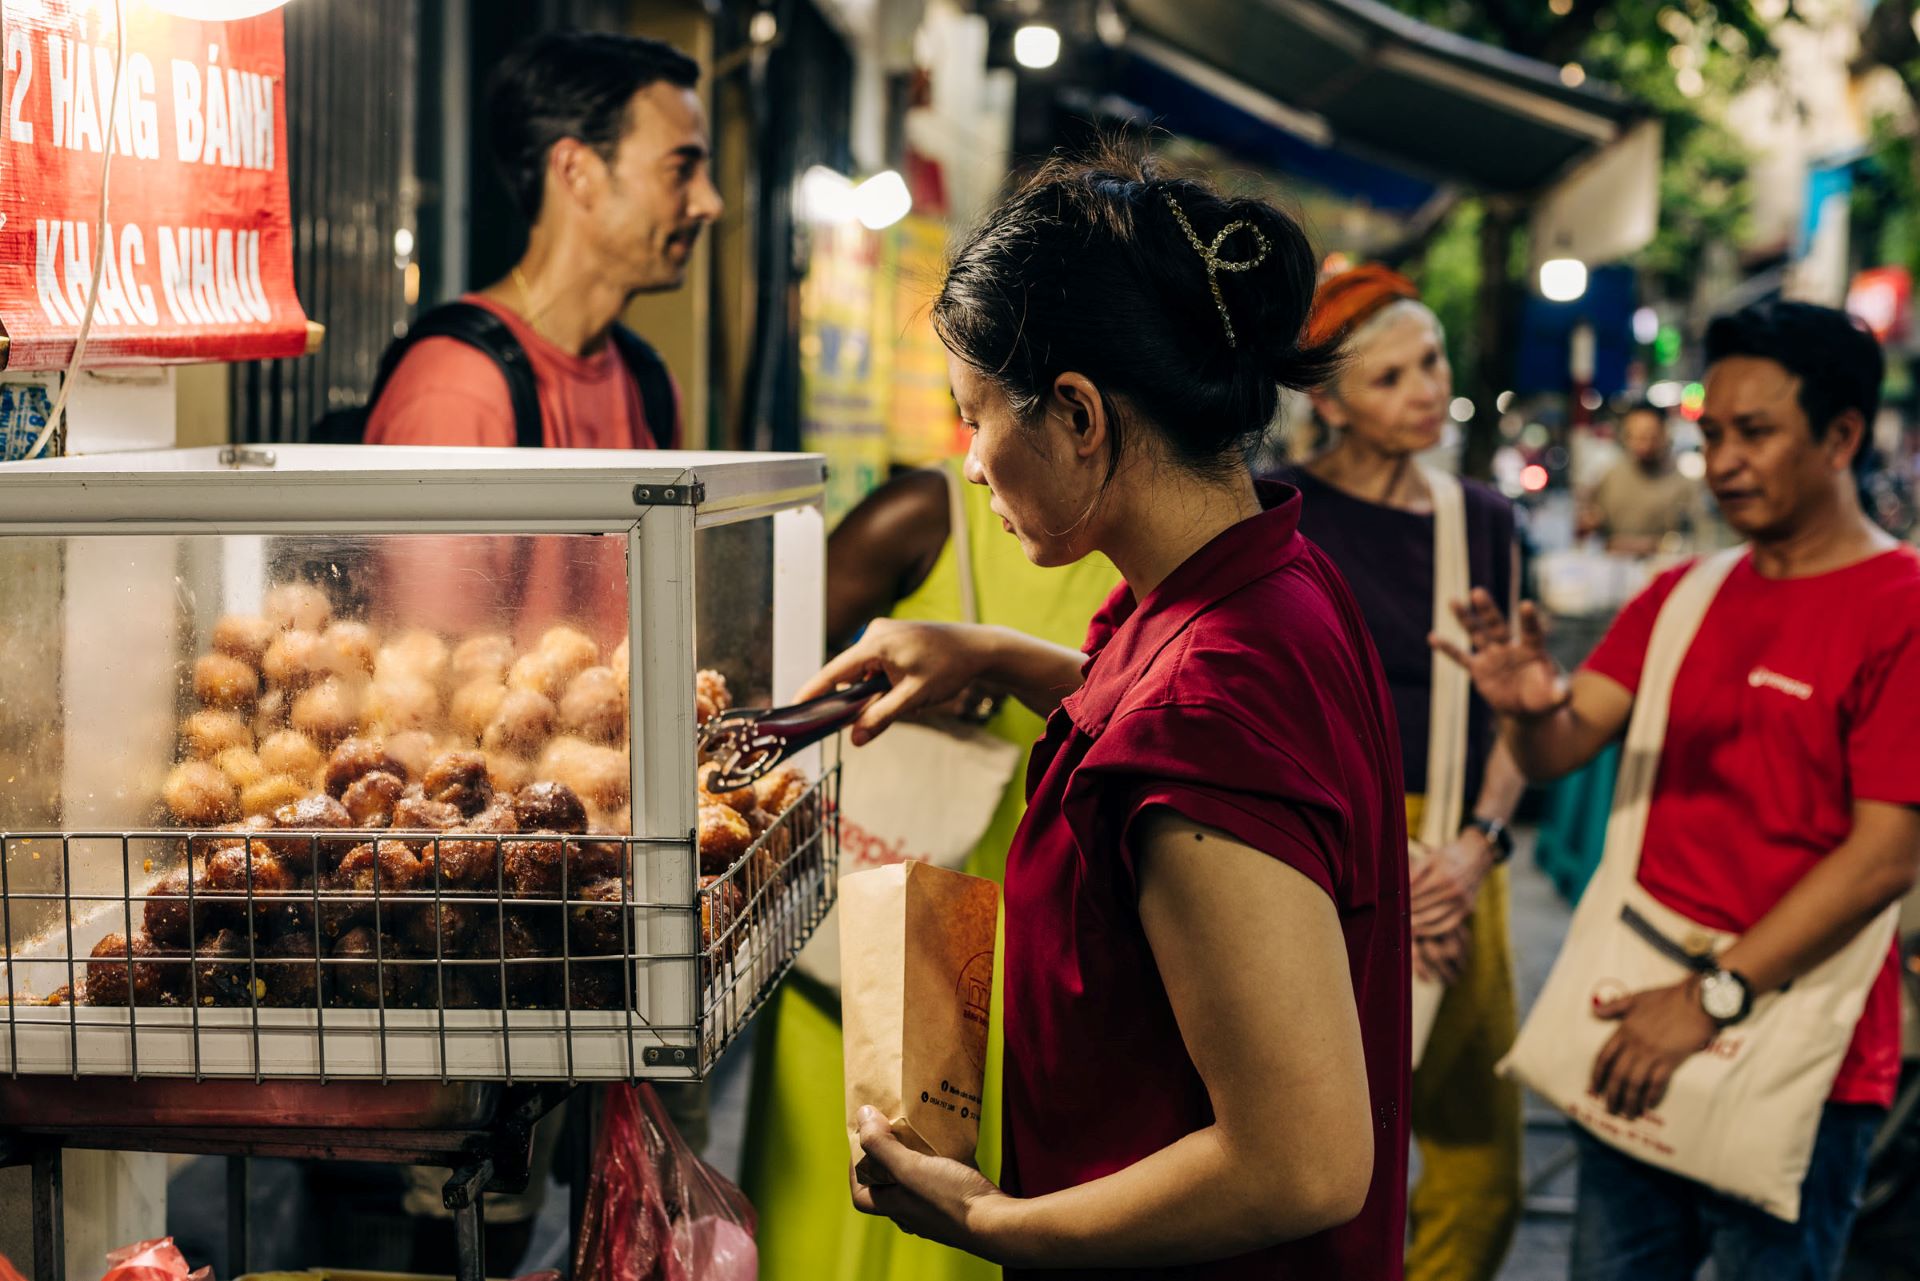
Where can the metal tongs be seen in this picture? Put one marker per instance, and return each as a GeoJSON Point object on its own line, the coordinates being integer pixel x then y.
{"type": "Point", "coordinates": [748, 743]}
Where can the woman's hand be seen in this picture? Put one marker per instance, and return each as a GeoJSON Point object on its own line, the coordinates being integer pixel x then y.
{"type": "Point", "coordinates": [929, 1196]}
{"type": "Point", "coordinates": [1513, 672]}
{"type": "Point", "coordinates": [930, 665]}
{"type": "Point", "coordinates": [1442, 958]}
{"type": "Point", "coordinates": [1444, 884]}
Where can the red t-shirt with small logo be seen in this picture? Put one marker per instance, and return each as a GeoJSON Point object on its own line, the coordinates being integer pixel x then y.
{"type": "Point", "coordinates": [1797, 698]}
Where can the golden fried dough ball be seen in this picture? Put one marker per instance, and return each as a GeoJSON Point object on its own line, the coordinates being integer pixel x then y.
{"type": "Point", "coordinates": [594, 706]}
{"type": "Point", "coordinates": [508, 773]}
{"type": "Point", "coordinates": [298, 607]}
{"type": "Point", "coordinates": [537, 673]}
{"type": "Point", "coordinates": [327, 712]}
{"type": "Point", "coordinates": [460, 780]}
{"type": "Point", "coordinates": [270, 793]}
{"type": "Point", "coordinates": [418, 653]}
{"type": "Point", "coordinates": [619, 662]}
{"type": "Point", "coordinates": [357, 756]}
{"type": "Point", "coordinates": [414, 750]}
{"type": "Point", "coordinates": [474, 706]}
{"type": "Point", "coordinates": [349, 646]}
{"type": "Point", "coordinates": [524, 721]}
{"type": "Point", "coordinates": [710, 695]}
{"type": "Point", "coordinates": [224, 682]}
{"type": "Point", "coordinates": [598, 775]}
{"type": "Point", "coordinates": [418, 814]}
{"type": "Point", "coordinates": [742, 798]}
{"type": "Point", "coordinates": [206, 734]}
{"type": "Point", "coordinates": [724, 837]}
{"type": "Point", "coordinates": [780, 790]}
{"type": "Point", "coordinates": [198, 794]}
{"type": "Point", "coordinates": [243, 636]}
{"type": "Point", "coordinates": [403, 705]}
{"type": "Point", "coordinates": [288, 751]}
{"type": "Point", "coordinates": [270, 713]}
{"type": "Point", "coordinates": [293, 659]}
{"type": "Point", "coordinates": [571, 650]}
{"type": "Point", "coordinates": [241, 766]}
{"type": "Point", "coordinates": [486, 655]}
{"type": "Point", "coordinates": [722, 904]}
{"type": "Point", "coordinates": [370, 798]}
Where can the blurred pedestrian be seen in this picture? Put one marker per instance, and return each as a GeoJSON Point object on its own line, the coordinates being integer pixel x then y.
{"type": "Point", "coordinates": [1645, 503]}
{"type": "Point", "coordinates": [1374, 510]}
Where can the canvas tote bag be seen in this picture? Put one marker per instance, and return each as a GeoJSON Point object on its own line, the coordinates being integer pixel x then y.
{"type": "Point", "coordinates": [1452, 688]}
{"type": "Point", "coordinates": [1739, 1117]}
{"type": "Point", "coordinates": [923, 791]}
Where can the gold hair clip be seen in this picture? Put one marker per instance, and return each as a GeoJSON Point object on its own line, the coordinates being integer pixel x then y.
{"type": "Point", "coordinates": [1215, 264]}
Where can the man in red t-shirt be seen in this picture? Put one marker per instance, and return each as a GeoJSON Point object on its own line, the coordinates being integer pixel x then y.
{"type": "Point", "coordinates": [1786, 807]}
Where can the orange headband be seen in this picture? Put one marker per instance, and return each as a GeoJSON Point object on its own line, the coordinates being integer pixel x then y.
{"type": "Point", "coordinates": [1344, 302]}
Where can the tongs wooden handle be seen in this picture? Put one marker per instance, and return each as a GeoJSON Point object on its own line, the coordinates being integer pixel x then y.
{"type": "Point", "coordinates": [748, 743]}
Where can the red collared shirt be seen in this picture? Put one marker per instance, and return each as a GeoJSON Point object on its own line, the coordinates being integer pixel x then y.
{"type": "Point", "coordinates": [1245, 695]}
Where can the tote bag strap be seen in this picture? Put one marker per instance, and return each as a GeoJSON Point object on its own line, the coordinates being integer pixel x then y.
{"type": "Point", "coordinates": [1673, 633]}
{"type": "Point", "coordinates": [1452, 687]}
{"type": "Point", "coordinates": [962, 539]}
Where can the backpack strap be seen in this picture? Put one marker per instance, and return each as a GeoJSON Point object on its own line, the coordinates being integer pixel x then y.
{"type": "Point", "coordinates": [656, 386]}
{"type": "Point", "coordinates": [477, 327]}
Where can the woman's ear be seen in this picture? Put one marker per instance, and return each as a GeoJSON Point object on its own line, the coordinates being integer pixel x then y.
{"type": "Point", "coordinates": [1330, 410]}
{"type": "Point", "coordinates": [1082, 412]}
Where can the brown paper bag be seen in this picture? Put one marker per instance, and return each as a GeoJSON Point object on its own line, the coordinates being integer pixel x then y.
{"type": "Point", "coordinates": [916, 949]}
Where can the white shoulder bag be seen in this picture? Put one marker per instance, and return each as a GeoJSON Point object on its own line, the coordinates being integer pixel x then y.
{"type": "Point", "coordinates": [1741, 1116]}
{"type": "Point", "coordinates": [925, 790]}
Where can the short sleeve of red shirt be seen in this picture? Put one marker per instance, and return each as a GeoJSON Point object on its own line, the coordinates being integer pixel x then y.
{"type": "Point", "coordinates": [1883, 753]}
{"type": "Point", "coordinates": [1622, 652]}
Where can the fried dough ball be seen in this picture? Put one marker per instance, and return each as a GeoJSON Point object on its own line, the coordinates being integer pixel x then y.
{"type": "Point", "coordinates": [549, 807]}
{"type": "Point", "coordinates": [309, 813]}
{"type": "Point", "coordinates": [594, 707]}
{"type": "Point", "coordinates": [475, 704]}
{"type": "Point", "coordinates": [267, 794]}
{"type": "Point", "coordinates": [154, 982]}
{"type": "Point", "coordinates": [743, 799]}
{"type": "Point", "coordinates": [225, 682]}
{"type": "Point", "coordinates": [274, 887]}
{"type": "Point", "coordinates": [418, 814]}
{"type": "Point", "coordinates": [710, 695]}
{"type": "Point", "coordinates": [446, 928]}
{"type": "Point", "coordinates": [171, 918]}
{"type": "Point", "coordinates": [365, 875]}
{"type": "Point", "coordinates": [596, 931]}
{"type": "Point", "coordinates": [288, 751]}
{"type": "Point", "coordinates": [590, 861]}
{"type": "Point", "coordinates": [780, 790]}
{"type": "Point", "coordinates": [596, 985]}
{"type": "Point", "coordinates": [571, 650]}
{"type": "Point", "coordinates": [417, 653]}
{"type": "Point", "coordinates": [721, 905]}
{"type": "Point", "coordinates": [348, 646]}
{"type": "Point", "coordinates": [508, 773]}
{"type": "Point", "coordinates": [206, 734]}
{"type": "Point", "coordinates": [615, 823]}
{"type": "Point", "coordinates": [402, 704]}
{"type": "Point", "coordinates": [364, 971]}
{"type": "Point", "coordinates": [243, 636]}
{"type": "Point", "coordinates": [287, 980]}
{"type": "Point", "coordinates": [270, 713]}
{"type": "Point", "coordinates": [497, 817]}
{"type": "Point", "coordinates": [460, 780]}
{"type": "Point", "coordinates": [463, 866]}
{"type": "Point", "coordinates": [537, 673]}
{"type": "Point", "coordinates": [327, 712]}
{"type": "Point", "coordinates": [533, 869]}
{"type": "Point", "coordinates": [724, 837]}
{"type": "Point", "coordinates": [524, 720]}
{"type": "Point", "coordinates": [298, 607]}
{"type": "Point", "coordinates": [241, 766]}
{"type": "Point", "coordinates": [530, 983]}
{"type": "Point", "coordinates": [482, 657]}
{"type": "Point", "coordinates": [199, 795]}
{"type": "Point", "coordinates": [371, 797]}
{"type": "Point", "coordinates": [294, 659]}
{"type": "Point", "coordinates": [619, 661]}
{"type": "Point", "coordinates": [355, 757]}
{"type": "Point", "coordinates": [597, 774]}
{"type": "Point", "coordinates": [414, 750]}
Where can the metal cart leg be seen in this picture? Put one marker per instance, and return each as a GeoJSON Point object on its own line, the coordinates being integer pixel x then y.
{"type": "Point", "coordinates": [464, 1195]}
{"type": "Point", "coordinates": [237, 1189]}
{"type": "Point", "coordinates": [49, 1229]}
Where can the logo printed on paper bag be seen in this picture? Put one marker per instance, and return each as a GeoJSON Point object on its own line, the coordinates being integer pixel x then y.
{"type": "Point", "coordinates": [975, 990]}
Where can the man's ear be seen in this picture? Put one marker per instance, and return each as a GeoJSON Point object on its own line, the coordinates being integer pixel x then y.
{"type": "Point", "coordinates": [575, 170]}
{"type": "Point", "coordinates": [1846, 438]}
{"type": "Point", "coordinates": [1078, 404]}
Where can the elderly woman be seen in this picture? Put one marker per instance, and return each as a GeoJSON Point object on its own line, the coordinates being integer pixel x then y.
{"type": "Point", "coordinates": [1206, 977]}
{"type": "Point", "coordinates": [1377, 513]}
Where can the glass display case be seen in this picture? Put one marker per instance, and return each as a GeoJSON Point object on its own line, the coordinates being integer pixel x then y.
{"type": "Point", "coordinates": [381, 762]}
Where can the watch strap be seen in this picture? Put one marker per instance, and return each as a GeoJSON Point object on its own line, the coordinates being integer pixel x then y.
{"type": "Point", "coordinates": [1498, 834]}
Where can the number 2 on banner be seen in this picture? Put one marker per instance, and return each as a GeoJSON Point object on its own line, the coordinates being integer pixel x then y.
{"type": "Point", "coordinates": [20, 62]}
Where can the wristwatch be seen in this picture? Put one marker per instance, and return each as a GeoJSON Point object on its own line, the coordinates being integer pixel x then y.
{"type": "Point", "coordinates": [1498, 835]}
{"type": "Point", "coordinates": [1725, 995]}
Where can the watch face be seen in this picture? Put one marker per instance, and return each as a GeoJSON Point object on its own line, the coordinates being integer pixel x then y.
{"type": "Point", "coordinates": [1721, 996]}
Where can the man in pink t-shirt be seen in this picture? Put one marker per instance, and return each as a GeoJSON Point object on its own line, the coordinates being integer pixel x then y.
{"type": "Point", "coordinates": [1786, 807]}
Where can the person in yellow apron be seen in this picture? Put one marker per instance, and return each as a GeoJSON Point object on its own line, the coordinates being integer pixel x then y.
{"type": "Point", "coordinates": [1377, 513]}
{"type": "Point", "coordinates": [895, 555]}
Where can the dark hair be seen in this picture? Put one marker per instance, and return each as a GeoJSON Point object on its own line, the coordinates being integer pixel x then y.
{"type": "Point", "coordinates": [1838, 361]}
{"type": "Point", "coordinates": [1087, 269]}
{"type": "Point", "coordinates": [1641, 406]}
{"type": "Point", "coordinates": [570, 84]}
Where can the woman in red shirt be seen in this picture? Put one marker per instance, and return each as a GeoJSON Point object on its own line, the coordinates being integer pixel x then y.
{"type": "Point", "coordinates": [1206, 987]}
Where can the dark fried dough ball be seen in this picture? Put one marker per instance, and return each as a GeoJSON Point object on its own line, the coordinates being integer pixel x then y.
{"type": "Point", "coordinates": [450, 925]}
{"type": "Point", "coordinates": [288, 977]}
{"type": "Point", "coordinates": [364, 971]}
{"type": "Point", "coordinates": [497, 817]}
{"type": "Point", "coordinates": [487, 655]}
{"type": "Point", "coordinates": [530, 984]}
{"type": "Point", "coordinates": [415, 750]}
{"type": "Point", "coordinates": [309, 813]}
{"type": "Point", "coordinates": [206, 734]}
{"type": "Point", "coordinates": [549, 807]}
{"type": "Point", "coordinates": [721, 906]}
{"type": "Point", "coordinates": [199, 795]}
{"type": "Point", "coordinates": [288, 751]}
{"type": "Point", "coordinates": [417, 653]}
{"type": "Point", "coordinates": [778, 791]}
{"type": "Point", "coordinates": [221, 973]}
{"type": "Point", "coordinates": [349, 647]}
{"type": "Point", "coordinates": [171, 920]}
{"type": "Point", "coordinates": [275, 887]}
{"type": "Point", "coordinates": [366, 875]}
{"type": "Point", "coordinates": [594, 706]}
{"type": "Point", "coordinates": [743, 799]}
{"type": "Point", "coordinates": [298, 607]}
{"type": "Point", "coordinates": [418, 814]}
{"type": "Point", "coordinates": [524, 721]}
{"type": "Point", "coordinates": [327, 712]}
{"type": "Point", "coordinates": [155, 982]}
{"type": "Point", "coordinates": [293, 659]}
{"type": "Point", "coordinates": [243, 636]}
{"type": "Point", "coordinates": [224, 682]}
{"type": "Point", "coordinates": [537, 673]}
{"type": "Point", "coordinates": [595, 930]}
{"type": "Point", "coordinates": [474, 705]}
{"type": "Point", "coordinates": [460, 780]}
{"type": "Point", "coordinates": [596, 985]}
{"type": "Point", "coordinates": [370, 799]}
{"type": "Point", "coordinates": [464, 866]}
{"type": "Point", "coordinates": [533, 869]}
{"type": "Point", "coordinates": [241, 766]}
{"type": "Point", "coordinates": [589, 861]}
{"type": "Point", "coordinates": [271, 793]}
{"type": "Point", "coordinates": [724, 837]}
{"type": "Point", "coordinates": [355, 757]}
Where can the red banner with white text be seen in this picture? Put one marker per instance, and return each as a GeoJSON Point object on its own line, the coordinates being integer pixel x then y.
{"type": "Point", "coordinates": [198, 261]}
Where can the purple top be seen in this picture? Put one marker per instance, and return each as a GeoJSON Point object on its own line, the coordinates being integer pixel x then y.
{"type": "Point", "coordinates": [1387, 557]}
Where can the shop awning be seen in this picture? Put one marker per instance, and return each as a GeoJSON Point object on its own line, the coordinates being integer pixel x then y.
{"type": "Point", "coordinates": [1365, 79]}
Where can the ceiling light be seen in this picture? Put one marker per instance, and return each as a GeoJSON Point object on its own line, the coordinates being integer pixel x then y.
{"type": "Point", "coordinates": [1036, 47]}
{"type": "Point", "coordinates": [882, 200]}
{"type": "Point", "coordinates": [1563, 279]}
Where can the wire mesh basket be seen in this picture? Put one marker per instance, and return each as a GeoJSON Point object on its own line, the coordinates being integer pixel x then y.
{"type": "Point", "coordinates": [383, 954]}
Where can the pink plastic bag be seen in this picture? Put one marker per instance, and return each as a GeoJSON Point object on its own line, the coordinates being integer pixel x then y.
{"type": "Point", "coordinates": [156, 1260]}
{"type": "Point", "coordinates": [656, 1211]}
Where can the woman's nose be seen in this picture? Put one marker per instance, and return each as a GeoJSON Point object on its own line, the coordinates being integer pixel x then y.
{"type": "Point", "coordinates": [971, 469]}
